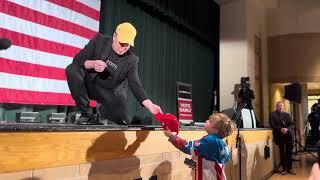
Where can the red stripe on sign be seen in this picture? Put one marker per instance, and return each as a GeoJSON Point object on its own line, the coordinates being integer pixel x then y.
{"type": "Point", "coordinates": [185, 114]}
{"type": "Point", "coordinates": [35, 43]}
{"type": "Point", "coordinates": [185, 118]}
{"type": "Point", "coordinates": [43, 19]}
{"type": "Point", "coordinates": [78, 7]}
{"type": "Point", "coordinates": [34, 97]}
{"type": "Point", "coordinates": [28, 69]}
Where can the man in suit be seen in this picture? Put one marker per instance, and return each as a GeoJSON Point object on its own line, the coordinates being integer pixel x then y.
{"type": "Point", "coordinates": [283, 129]}
{"type": "Point", "coordinates": [99, 71]}
{"type": "Point", "coordinates": [314, 120]}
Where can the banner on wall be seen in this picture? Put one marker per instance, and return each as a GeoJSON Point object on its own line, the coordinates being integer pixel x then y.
{"type": "Point", "coordinates": [184, 102]}
{"type": "Point", "coordinates": [45, 37]}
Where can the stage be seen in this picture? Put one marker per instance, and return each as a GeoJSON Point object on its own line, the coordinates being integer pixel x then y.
{"type": "Point", "coordinates": [40, 150]}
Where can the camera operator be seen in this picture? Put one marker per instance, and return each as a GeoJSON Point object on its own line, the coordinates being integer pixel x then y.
{"type": "Point", "coordinates": [245, 93]}
{"type": "Point", "coordinates": [314, 120]}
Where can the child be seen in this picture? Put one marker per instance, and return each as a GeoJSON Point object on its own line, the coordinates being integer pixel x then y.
{"type": "Point", "coordinates": [210, 151]}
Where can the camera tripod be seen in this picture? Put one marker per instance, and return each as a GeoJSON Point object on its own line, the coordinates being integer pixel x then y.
{"type": "Point", "coordinates": [237, 118]}
{"type": "Point", "coordinates": [295, 138]}
{"type": "Point", "coordinates": [298, 144]}
{"type": "Point", "coordinates": [248, 116]}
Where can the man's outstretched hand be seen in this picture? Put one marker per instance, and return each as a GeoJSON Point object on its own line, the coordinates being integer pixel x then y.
{"type": "Point", "coordinates": [153, 108]}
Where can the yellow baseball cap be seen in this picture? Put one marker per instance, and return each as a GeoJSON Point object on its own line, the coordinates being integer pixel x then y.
{"type": "Point", "coordinates": [126, 33]}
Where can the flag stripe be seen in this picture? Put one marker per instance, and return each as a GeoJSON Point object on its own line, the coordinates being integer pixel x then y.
{"type": "Point", "coordinates": [44, 19]}
{"type": "Point", "coordinates": [22, 26]}
{"type": "Point", "coordinates": [59, 12]}
{"type": "Point", "coordinates": [35, 57]}
{"type": "Point", "coordinates": [78, 7]}
{"type": "Point", "coordinates": [13, 81]}
{"type": "Point", "coordinates": [95, 4]}
{"type": "Point", "coordinates": [33, 97]}
{"type": "Point", "coordinates": [9, 66]}
{"type": "Point", "coordinates": [35, 43]}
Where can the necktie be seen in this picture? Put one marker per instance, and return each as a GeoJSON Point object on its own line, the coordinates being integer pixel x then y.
{"type": "Point", "coordinates": [282, 119]}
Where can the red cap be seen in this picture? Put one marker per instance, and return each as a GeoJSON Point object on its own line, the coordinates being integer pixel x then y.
{"type": "Point", "coordinates": [168, 121]}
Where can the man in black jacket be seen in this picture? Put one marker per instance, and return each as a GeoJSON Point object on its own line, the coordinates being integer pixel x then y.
{"type": "Point", "coordinates": [314, 120]}
{"type": "Point", "coordinates": [283, 129]}
{"type": "Point", "coordinates": [99, 71]}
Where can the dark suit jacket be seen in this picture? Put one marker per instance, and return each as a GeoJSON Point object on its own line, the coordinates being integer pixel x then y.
{"type": "Point", "coordinates": [99, 48]}
{"type": "Point", "coordinates": [281, 120]}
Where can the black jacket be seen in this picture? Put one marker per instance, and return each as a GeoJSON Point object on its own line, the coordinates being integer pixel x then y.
{"type": "Point", "coordinates": [99, 48]}
{"type": "Point", "coordinates": [281, 120]}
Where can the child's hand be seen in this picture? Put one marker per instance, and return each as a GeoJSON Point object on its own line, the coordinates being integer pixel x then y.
{"type": "Point", "coordinates": [167, 132]}
{"type": "Point", "coordinates": [315, 172]}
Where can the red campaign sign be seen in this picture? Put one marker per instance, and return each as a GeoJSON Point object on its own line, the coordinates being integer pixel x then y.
{"type": "Point", "coordinates": [185, 110]}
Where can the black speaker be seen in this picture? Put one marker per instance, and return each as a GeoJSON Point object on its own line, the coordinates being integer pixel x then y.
{"type": "Point", "coordinates": [292, 92]}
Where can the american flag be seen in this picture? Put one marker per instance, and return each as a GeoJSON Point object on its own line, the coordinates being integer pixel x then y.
{"type": "Point", "coordinates": [45, 37]}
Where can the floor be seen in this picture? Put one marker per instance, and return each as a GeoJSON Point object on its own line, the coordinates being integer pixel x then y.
{"type": "Point", "coordinates": [302, 167]}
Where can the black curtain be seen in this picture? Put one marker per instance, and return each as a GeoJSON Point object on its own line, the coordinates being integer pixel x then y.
{"type": "Point", "coordinates": [168, 54]}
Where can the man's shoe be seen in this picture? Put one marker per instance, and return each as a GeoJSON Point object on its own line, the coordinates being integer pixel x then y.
{"type": "Point", "coordinates": [283, 172]}
{"type": "Point", "coordinates": [86, 117]}
{"type": "Point", "coordinates": [83, 120]}
{"type": "Point", "coordinates": [107, 122]}
{"type": "Point", "coordinates": [291, 172]}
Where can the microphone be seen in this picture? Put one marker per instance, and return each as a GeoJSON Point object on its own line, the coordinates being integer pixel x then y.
{"type": "Point", "coordinates": [4, 43]}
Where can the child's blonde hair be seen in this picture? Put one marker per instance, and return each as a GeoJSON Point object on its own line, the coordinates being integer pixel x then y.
{"type": "Point", "coordinates": [223, 123]}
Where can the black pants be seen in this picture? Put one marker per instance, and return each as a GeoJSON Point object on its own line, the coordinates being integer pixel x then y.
{"type": "Point", "coordinates": [83, 87]}
{"type": "Point", "coordinates": [286, 154]}
{"type": "Point", "coordinates": [315, 129]}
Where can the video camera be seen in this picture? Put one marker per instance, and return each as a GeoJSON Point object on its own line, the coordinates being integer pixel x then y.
{"type": "Point", "coordinates": [314, 120]}
{"type": "Point", "coordinates": [244, 82]}
{"type": "Point", "coordinates": [245, 93]}
{"type": "Point", "coordinates": [315, 109]}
